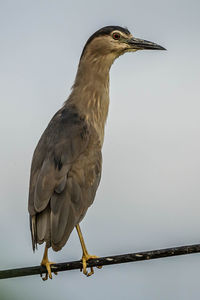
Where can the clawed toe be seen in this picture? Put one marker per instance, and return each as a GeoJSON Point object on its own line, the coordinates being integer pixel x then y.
{"type": "Point", "coordinates": [47, 264]}
{"type": "Point", "coordinates": [85, 258]}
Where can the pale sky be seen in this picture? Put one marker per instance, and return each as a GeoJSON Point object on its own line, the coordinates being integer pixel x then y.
{"type": "Point", "coordinates": [149, 193]}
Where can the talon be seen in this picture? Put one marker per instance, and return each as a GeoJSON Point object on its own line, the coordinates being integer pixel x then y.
{"type": "Point", "coordinates": [85, 258]}
{"type": "Point", "coordinates": [91, 272]}
{"type": "Point", "coordinates": [46, 263]}
{"type": "Point", "coordinates": [45, 277]}
{"type": "Point", "coordinates": [99, 267]}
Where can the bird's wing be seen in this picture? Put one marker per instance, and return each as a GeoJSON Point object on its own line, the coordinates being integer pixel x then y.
{"type": "Point", "coordinates": [65, 138]}
{"type": "Point", "coordinates": [64, 178]}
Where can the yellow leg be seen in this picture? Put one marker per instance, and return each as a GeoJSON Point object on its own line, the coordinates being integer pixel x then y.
{"type": "Point", "coordinates": [45, 262]}
{"type": "Point", "coordinates": [85, 256]}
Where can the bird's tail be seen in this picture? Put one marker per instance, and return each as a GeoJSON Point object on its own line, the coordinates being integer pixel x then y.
{"type": "Point", "coordinates": [33, 228]}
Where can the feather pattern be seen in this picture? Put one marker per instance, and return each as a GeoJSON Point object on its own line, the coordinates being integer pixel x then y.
{"type": "Point", "coordinates": [65, 174]}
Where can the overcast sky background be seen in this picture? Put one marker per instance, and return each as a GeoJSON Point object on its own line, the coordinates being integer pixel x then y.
{"type": "Point", "coordinates": [149, 193]}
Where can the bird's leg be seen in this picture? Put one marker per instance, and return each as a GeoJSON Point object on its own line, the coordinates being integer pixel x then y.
{"type": "Point", "coordinates": [45, 262]}
{"type": "Point", "coordinates": [85, 256]}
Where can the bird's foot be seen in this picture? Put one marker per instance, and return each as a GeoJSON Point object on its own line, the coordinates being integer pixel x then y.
{"type": "Point", "coordinates": [85, 258]}
{"type": "Point", "coordinates": [47, 264]}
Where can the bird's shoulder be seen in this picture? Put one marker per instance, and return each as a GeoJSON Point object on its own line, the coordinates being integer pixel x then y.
{"type": "Point", "coordinates": [66, 136]}
{"type": "Point", "coordinates": [67, 122]}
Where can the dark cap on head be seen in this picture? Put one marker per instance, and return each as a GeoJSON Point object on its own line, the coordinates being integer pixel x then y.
{"type": "Point", "coordinates": [105, 31]}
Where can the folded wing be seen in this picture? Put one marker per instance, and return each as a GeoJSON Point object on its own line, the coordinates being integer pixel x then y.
{"type": "Point", "coordinates": [64, 178]}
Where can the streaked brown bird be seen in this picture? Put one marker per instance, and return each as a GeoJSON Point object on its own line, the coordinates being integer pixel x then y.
{"type": "Point", "coordinates": [66, 165]}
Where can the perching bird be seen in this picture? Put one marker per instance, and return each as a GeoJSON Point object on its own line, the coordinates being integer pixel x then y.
{"type": "Point", "coordinates": [66, 165]}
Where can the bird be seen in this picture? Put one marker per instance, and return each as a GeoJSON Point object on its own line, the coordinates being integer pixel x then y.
{"type": "Point", "coordinates": [67, 161]}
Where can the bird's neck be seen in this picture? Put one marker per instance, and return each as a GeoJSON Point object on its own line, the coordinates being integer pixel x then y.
{"type": "Point", "coordinates": [90, 92]}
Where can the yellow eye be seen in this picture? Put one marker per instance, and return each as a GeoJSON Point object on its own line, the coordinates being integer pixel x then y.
{"type": "Point", "coordinates": [116, 36]}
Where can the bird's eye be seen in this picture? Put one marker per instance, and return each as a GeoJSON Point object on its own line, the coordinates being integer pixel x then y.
{"type": "Point", "coordinates": [116, 36]}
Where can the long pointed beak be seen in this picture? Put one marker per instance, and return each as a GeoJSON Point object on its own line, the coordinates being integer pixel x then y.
{"type": "Point", "coordinates": [139, 44]}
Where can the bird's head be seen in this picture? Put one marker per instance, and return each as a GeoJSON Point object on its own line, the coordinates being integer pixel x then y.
{"type": "Point", "coordinates": [114, 41]}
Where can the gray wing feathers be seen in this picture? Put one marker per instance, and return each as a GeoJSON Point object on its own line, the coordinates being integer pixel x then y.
{"type": "Point", "coordinates": [64, 216]}
{"type": "Point", "coordinates": [58, 195]}
{"type": "Point", "coordinates": [49, 180]}
{"type": "Point", "coordinates": [43, 226]}
{"type": "Point", "coordinates": [44, 186]}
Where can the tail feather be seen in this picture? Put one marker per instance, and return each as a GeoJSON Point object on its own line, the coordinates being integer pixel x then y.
{"type": "Point", "coordinates": [63, 220]}
{"type": "Point", "coordinates": [44, 227]}
{"type": "Point", "coordinates": [55, 223]}
{"type": "Point", "coordinates": [33, 228]}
